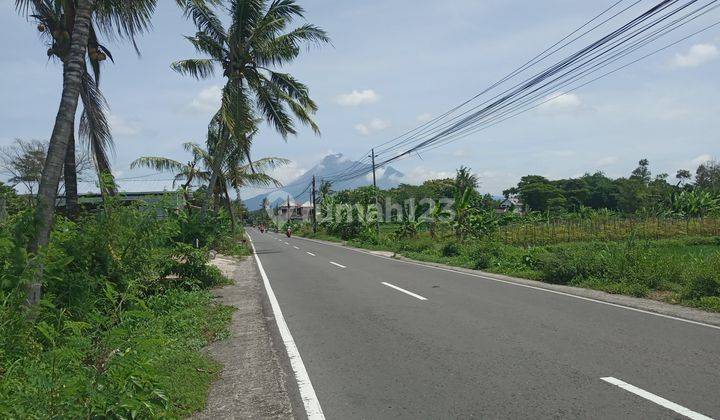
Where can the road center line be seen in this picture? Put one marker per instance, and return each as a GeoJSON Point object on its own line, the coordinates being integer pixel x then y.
{"type": "Point", "coordinates": [339, 265]}
{"type": "Point", "coordinates": [405, 291]}
{"type": "Point", "coordinates": [656, 399]}
{"type": "Point", "coordinates": [305, 387]}
{"type": "Point", "coordinates": [516, 284]}
{"type": "Point", "coordinates": [310, 253]}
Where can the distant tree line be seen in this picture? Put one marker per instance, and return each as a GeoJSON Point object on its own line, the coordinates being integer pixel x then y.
{"type": "Point", "coordinates": [640, 192]}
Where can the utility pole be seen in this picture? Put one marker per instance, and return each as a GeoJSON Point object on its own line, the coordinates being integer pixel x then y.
{"type": "Point", "coordinates": [377, 205]}
{"type": "Point", "coordinates": [314, 208]}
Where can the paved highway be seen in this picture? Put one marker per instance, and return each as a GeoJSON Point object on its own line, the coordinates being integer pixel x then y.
{"type": "Point", "coordinates": [381, 338]}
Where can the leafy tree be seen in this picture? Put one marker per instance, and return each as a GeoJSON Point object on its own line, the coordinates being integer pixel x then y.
{"type": "Point", "coordinates": [602, 191]}
{"type": "Point", "coordinates": [682, 176]}
{"type": "Point", "coordinates": [707, 176]}
{"type": "Point", "coordinates": [642, 172]}
{"type": "Point", "coordinates": [536, 191]}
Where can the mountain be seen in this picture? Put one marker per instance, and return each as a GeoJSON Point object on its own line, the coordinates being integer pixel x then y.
{"type": "Point", "coordinates": [331, 166]}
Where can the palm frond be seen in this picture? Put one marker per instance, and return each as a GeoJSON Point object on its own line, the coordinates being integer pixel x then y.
{"type": "Point", "coordinates": [160, 164]}
{"type": "Point", "coordinates": [94, 127]}
{"type": "Point", "coordinates": [197, 68]}
{"type": "Point", "coordinates": [206, 44]}
{"type": "Point", "coordinates": [205, 19]}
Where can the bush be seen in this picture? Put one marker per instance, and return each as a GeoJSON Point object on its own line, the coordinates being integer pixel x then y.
{"type": "Point", "coordinates": [482, 254]}
{"type": "Point", "coordinates": [703, 281]}
{"type": "Point", "coordinates": [111, 337]}
{"type": "Point", "coordinates": [450, 249]}
{"type": "Point", "coordinates": [190, 266]}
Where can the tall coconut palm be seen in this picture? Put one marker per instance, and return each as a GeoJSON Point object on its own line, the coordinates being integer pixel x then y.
{"type": "Point", "coordinates": [124, 18]}
{"type": "Point", "coordinates": [254, 43]}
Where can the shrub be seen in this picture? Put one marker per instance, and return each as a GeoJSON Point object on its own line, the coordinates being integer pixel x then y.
{"type": "Point", "coordinates": [109, 339]}
{"type": "Point", "coordinates": [190, 265]}
{"type": "Point", "coordinates": [482, 254]}
{"type": "Point", "coordinates": [704, 281]}
{"type": "Point", "coordinates": [450, 249]}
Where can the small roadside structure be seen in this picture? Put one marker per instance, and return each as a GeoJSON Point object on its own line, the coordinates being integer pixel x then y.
{"type": "Point", "coordinates": [511, 205]}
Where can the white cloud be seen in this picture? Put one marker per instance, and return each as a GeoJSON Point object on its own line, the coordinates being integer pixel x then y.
{"type": "Point", "coordinates": [375, 125]}
{"type": "Point", "coordinates": [420, 174]}
{"type": "Point", "coordinates": [606, 161]}
{"type": "Point", "coordinates": [701, 159]}
{"type": "Point", "coordinates": [561, 102]}
{"type": "Point", "coordinates": [698, 55]}
{"type": "Point", "coordinates": [208, 100]}
{"type": "Point", "coordinates": [356, 98]}
{"type": "Point", "coordinates": [123, 127]}
{"type": "Point", "coordinates": [379, 173]}
{"type": "Point", "coordinates": [461, 153]}
{"type": "Point", "coordinates": [423, 118]}
{"type": "Point", "coordinates": [287, 173]}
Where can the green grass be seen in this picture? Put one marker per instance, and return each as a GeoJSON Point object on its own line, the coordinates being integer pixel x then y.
{"type": "Point", "coordinates": [149, 365]}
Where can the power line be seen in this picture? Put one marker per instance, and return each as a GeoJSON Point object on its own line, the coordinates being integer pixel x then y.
{"type": "Point", "coordinates": [620, 43]}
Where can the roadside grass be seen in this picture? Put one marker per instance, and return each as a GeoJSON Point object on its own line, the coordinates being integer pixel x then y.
{"type": "Point", "coordinates": [149, 365]}
{"type": "Point", "coordinates": [683, 270]}
{"type": "Point", "coordinates": [125, 314]}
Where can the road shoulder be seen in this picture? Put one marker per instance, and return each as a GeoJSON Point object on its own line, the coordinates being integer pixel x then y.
{"type": "Point", "coordinates": [252, 383]}
{"type": "Point", "coordinates": [647, 305]}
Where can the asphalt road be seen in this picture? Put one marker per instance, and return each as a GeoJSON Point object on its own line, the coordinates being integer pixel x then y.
{"type": "Point", "coordinates": [382, 338]}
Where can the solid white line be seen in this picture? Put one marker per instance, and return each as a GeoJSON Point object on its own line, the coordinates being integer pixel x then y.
{"type": "Point", "coordinates": [527, 286]}
{"type": "Point", "coordinates": [405, 291]}
{"type": "Point", "coordinates": [310, 253]}
{"type": "Point", "coordinates": [295, 247]}
{"type": "Point", "coordinates": [656, 399]}
{"type": "Point", "coordinates": [339, 265]}
{"type": "Point", "coordinates": [307, 392]}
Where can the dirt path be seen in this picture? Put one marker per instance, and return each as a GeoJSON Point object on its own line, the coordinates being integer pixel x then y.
{"type": "Point", "coordinates": [252, 383]}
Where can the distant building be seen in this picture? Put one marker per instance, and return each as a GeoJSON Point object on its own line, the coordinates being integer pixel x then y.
{"type": "Point", "coordinates": [511, 205]}
{"type": "Point", "coordinates": [94, 200]}
{"type": "Point", "coordinates": [295, 212]}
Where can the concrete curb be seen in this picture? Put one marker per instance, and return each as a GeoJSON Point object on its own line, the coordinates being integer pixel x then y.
{"type": "Point", "coordinates": [662, 308]}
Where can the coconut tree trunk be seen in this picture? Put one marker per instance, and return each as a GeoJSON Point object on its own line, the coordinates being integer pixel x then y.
{"type": "Point", "coordinates": [218, 159]}
{"type": "Point", "coordinates": [239, 204]}
{"type": "Point", "coordinates": [71, 186]}
{"type": "Point", "coordinates": [64, 125]}
{"type": "Point", "coordinates": [228, 205]}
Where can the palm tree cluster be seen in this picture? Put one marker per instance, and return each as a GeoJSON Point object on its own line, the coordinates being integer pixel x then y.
{"type": "Point", "coordinates": [259, 39]}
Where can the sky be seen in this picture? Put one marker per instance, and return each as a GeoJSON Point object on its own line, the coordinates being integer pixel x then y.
{"type": "Point", "coordinates": [391, 66]}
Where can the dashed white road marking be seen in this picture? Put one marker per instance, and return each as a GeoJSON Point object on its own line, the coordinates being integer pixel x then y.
{"type": "Point", "coordinates": [310, 253]}
{"type": "Point", "coordinates": [656, 399]}
{"type": "Point", "coordinates": [287, 243]}
{"type": "Point", "coordinates": [336, 264]}
{"type": "Point", "coordinates": [295, 247]}
{"type": "Point", "coordinates": [407, 292]}
{"type": "Point", "coordinates": [305, 387]}
{"type": "Point", "coordinates": [516, 284]}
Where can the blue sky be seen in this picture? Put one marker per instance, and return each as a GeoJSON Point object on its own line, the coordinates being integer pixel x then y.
{"type": "Point", "coordinates": [393, 64]}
